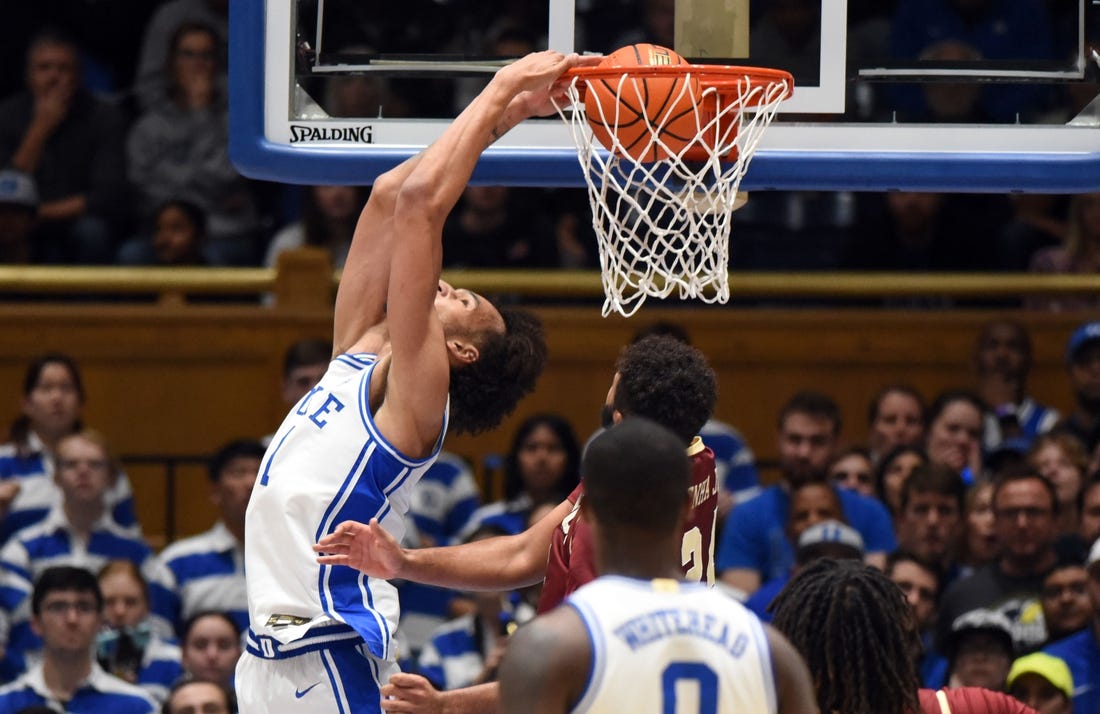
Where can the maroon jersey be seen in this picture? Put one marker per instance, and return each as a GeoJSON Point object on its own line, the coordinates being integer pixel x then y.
{"type": "Point", "coordinates": [572, 563]}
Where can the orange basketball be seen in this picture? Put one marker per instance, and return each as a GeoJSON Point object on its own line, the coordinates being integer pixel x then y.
{"type": "Point", "coordinates": [624, 108]}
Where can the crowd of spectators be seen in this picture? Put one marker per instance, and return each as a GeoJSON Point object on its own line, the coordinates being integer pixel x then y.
{"type": "Point", "coordinates": [981, 504]}
{"type": "Point", "coordinates": [113, 141]}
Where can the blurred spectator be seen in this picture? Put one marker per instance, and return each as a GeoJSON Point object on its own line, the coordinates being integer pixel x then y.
{"type": "Point", "coordinates": [157, 40]}
{"type": "Point", "coordinates": [509, 42]}
{"type": "Point", "coordinates": [72, 144]}
{"type": "Point", "coordinates": [920, 584]}
{"type": "Point", "coordinates": [498, 227]}
{"type": "Point", "coordinates": [1042, 682]}
{"type": "Point", "coordinates": [896, 417]}
{"type": "Point", "coordinates": [894, 469]}
{"type": "Point", "coordinates": [655, 23]}
{"type": "Point", "coordinates": [128, 646]}
{"type": "Point", "coordinates": [18, 216]}
{"type": "Point", "coordinates": [788, 36]}
{"type": "Point", "coordinates": [79, 532]}
{"type": "Point", "coordinates": [1090, 511]}
{"type": "Point", "coordinates": [1024, 508]}
{"type": "Point", "coordinates": [911, 231]}
{"type": "Point", "coordinates": [1067, 608]}
{"type": "Point", "coordinates": [851, 469]}
{"type": "Point", "coordinates": [52, 407]}
{"type": "Point", "coordinates": [929, 523]}
{"type": "Point", "coordinates": [1002, 362]}
{"type": "Point", "coordinates": [816, 531]}
{"type": "Point", "coordinates": [576, 240]}
{"type": "Point", "coordinates": [210, 647]}
{"type": "Point", "coordinates": [1081, 651]}
{"type": "Point", "coordinates": [179, 237]}
{"type": "Point", "coordinates": [754, 547]}
{"type": "Point", "coordinates": [981, 545]}
{"type": "Point", "coordinates": [995, 29]}
{"type": "Point", "coordinates": [957, 102]}
{"type": "Point", "coordinates": [1061, 458]}
{"type": "Point", "coordinates": [206, 571]}
{"type": "Point", "coordinates": [67, 611]}
{"type": "Point", "coordinates": [193, 696]}
{"type": "Point", "coordinates": [543, 464]}
{"type": "Point", "coordinates": [1038, 221]}
{"type": "Point", "coordinates": [980, 650]}
{"type": "Point", "coordinates": [1083, 367]}
{"type": "Point", "coordinates": [1079, 254]}
{"type": "Point", "coordinates": [304, 363]}
{"type": "Point", "coordinates": [363, 96]}
{"type": "Point", "coordinates": [329, 214]}
{"type": "Point", "coordinates": [955, 431]}
{"type": "Point", "coordinates": [179, 148]}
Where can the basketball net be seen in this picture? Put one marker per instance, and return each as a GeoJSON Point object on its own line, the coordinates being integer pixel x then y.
{"type": "Point", "coordinates": [664, 227]}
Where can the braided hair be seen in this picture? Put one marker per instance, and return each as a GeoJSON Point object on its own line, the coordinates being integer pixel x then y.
{"type": "Point", "coordinates": [856, 632]}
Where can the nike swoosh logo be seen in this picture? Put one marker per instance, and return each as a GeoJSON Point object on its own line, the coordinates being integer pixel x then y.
{"type": "Point", "coordinates": [299, 693]}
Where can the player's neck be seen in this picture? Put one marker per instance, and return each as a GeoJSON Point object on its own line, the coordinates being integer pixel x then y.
{"type": "Point", "coordinates": [639, 557]}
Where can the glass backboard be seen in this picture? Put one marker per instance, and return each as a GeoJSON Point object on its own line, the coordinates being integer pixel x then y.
{"type": "Point", "coordinates": [928, 95]}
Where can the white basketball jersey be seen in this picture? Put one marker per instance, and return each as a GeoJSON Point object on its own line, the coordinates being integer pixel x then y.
{"type": "Point", "coordinates": [663, 646]}
{"type": "Point", "coordinates": [326, 464]}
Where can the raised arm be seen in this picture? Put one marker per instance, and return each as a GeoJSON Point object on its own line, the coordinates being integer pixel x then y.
{"type": "Point", "coordinates": [500, 563]}
{"type": "Point", "coordinates": [432, 181]}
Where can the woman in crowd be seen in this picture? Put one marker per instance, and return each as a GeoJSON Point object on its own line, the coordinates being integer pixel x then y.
{"type": "Point", "coordinates": [543, 464]}
{"type": "Point", "coordinates": [52, 407]}
{"type": "Point", "coordinates": [128, 646]}
{"type": "Point", "coordinates": [893, 469]}
{"type": "Point", "coordinates": [1061, 458]}
{"type": "Point", "coordinates": [955, 432]}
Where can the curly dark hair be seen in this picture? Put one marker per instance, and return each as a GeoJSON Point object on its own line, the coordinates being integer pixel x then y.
{"type": "Point", "coordinates": [668, 381]}
{"type": "Point", "coordinates": [857, 634]}
{"type": "Point", "coordinates": [509, 363]}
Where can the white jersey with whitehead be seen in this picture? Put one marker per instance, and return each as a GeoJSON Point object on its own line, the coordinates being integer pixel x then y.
{"type": "Point", "coordinates": [327, 463]}
{"type": "Point", "coordinates": [666, 646]}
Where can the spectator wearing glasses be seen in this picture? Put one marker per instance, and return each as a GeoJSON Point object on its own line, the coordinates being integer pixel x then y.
{"type": "Point", "coordinates": [67, 611]}
{"type": "Point", "coordinates": [1025, 508]}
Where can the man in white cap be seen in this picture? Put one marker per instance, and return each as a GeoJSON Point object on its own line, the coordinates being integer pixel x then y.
{"type": "Point", "coordinates": [1082, 650]}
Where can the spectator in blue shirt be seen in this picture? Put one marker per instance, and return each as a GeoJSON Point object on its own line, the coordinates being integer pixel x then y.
{"type": "Point", "coordinates": [78, 532]}
{"type": "Point", "coordinates": [67, 611]}
{"type": "Point", "coordinates": [206, 571]}
{"type": "Point", "coordinates": [51, 408]}
{"type": "Point", "coordinates": [754, 545]}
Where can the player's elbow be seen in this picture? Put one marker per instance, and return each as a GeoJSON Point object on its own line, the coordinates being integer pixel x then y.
{"type": "Point", "coordinates": [419, 197]}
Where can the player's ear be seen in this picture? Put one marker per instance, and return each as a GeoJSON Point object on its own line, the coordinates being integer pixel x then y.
{"type": "Point", "coordinates": [462, 351]}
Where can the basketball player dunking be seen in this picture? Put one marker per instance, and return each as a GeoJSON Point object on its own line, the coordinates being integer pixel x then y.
{"type": "Point", "coordinates": [406, 346]}
{"type": "Point", "coordinates": [660, 378]}
{"type": "Point", "coordinates": [636, 639]}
